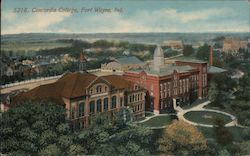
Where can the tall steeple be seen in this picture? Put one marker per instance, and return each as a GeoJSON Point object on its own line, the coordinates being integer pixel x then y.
{"type": "Point", "coordinates": [82, 63]}
{"type": "Point", "coordinates": [158, 61]}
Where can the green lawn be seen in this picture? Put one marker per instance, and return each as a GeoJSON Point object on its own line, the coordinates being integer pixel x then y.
{"type": "Point", "coordinates": [205, 117]}
{"type": "Point", "coordinates": [148, 114]}
{"type": "Point", "coordinates": [195, 103]}
{"type": "Point", "coordinates": [159, 121]}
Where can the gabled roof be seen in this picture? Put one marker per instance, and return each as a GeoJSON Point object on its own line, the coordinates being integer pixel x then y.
{"type": "Point", "coordinates": [119, 82]}
{"type": "Point", "coordinates": [129, 60]}
{"type": "Point", "coordinates": [71, 85]}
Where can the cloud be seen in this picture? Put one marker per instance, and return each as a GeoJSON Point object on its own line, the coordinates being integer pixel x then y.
{"type": "Point", "coordinates": [162, 20]}
{"type": "Point", "coordinates": [192, 15]}
{"type": "Point", "coordinates": [40, 22]}
{"type": "Point", "coordinates": [8, 16]}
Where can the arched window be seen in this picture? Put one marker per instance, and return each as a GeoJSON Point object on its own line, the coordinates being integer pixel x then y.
{"type": "Point", "coordinates": [98, 89]}
{"type": "Point", "coordinates": [113, 104]}
{"type": "Point", "coordinates": [99, 105]}
{"type": "Point", "coordinates": [106, 104]}
{"type": "Point", "coordinates": [81, 109]}
{"type": "Point", "coordinates": [92, 107]}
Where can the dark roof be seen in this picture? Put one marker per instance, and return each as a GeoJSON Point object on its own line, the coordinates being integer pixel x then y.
{"type": "Point", "coordinates": [71, 85]}
{"type": "Point", "coordinates": [213, 69]}
{"type": "Point", "coordinates": [129, 60]}
{"type": "Point", "coordinates": [119, 82]}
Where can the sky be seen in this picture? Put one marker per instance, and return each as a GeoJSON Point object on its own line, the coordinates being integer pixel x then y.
{"type": "Point", "coordinates": [122, 16]}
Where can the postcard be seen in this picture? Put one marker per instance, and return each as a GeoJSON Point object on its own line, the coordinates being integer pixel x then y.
{"type": "Point", "coordinates": [123, 77]}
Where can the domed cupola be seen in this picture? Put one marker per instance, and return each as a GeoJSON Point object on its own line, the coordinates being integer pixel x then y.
{"type": "Point", "coordinates": [158, 61]}
{"type": "Point", "coordinates": [158, 52]}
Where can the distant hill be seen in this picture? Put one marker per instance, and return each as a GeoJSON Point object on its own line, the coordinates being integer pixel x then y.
{"type": "Point", "coordinates": [130, 37]}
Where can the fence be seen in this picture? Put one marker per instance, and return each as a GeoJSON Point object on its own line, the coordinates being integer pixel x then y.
{"type": "Point", "coordinates": [41, 79]}
{"type": "Point", "coordinates": [30, 81]}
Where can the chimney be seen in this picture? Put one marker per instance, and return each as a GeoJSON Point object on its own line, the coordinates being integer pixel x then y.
{"type": "Point", "coordinates": [211, 56]}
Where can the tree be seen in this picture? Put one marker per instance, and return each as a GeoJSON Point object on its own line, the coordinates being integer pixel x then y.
{"type": "Point", "coordinates": [115, 136]}
{"type": "Point", "coordinates": [188, 50]}
{"type": "Point", "coordinates": [222, 134]}
{"type": "Point", "coordinates": [34, 128]}
{"type": "Point", "coordinates": [181, 138]}
{"type": "Point", "coordinates": [224, 152]}
{"type": "Point", "coordinates": [203, 52]}
{"type": "Point", "coordinates": [213, 91]}
{"type": "Point", "coordinates": [244, 92]}
{"type": "Point", "coordinates": [244, 148]}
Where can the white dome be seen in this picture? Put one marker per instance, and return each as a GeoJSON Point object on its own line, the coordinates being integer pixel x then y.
{"type": "Point", "coordinates": [158, 52]}
{"type": "Point", "coordinates": [158, 61]}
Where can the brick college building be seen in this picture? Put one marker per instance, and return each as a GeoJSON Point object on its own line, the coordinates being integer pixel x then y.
{"type": "Point", "coordinates": [85, 94]}
{"type": "Point", "coordinates": [170, 85]}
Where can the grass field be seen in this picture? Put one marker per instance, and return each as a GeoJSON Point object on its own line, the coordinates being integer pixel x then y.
{"type": "Point", "coordinates": [31, 46]}
{"type": "Point", "coordinates": [159, 121]}
{"type": "Point", "coordinates": [205, 117]}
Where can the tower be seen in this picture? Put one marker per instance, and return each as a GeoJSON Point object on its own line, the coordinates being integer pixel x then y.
{"type": "Point", "coordinates": [82, 63]}
{"type": "Point", "coordinates": [158, 61]}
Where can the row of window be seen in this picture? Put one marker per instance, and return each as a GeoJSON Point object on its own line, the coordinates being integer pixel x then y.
{"type": "Point", "coordinates": [98, 105]}
{"type": "Point", "coordinates": [164, 86]}
{"type": "Point", "coordinates": [136, 97]}
{"type": "Point", "coordinates": [194, 77]}
{"type": "Point", "coordinates": [165, 104]}
{"type": "Point", "coordinates": [99, 89]}
{"type": "Point", "coordinates": [105, 104]}
{"type": "Point", "coordinates": [204, 80]}
{"type": "Point", "coordinates": [138, 108]}
{"type": "Point", "coordinates": [182, 89]}
{"type": "Point", "coordinates": [182, 82]}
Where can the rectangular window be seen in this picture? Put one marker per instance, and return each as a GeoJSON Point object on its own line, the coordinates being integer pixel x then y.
{"type": "Point", "coordinates": [106, 104]}
{"type": "Point", "coordinates": [81, 109]}
{"type": "Point", "coordinates": [92, 107]}
{"type": "Point", "coordinates": [121, 101]}
{"type": "Point", "coordinates": [113, 102]}
{"type": "Point", "coordinates": [99, 105]}
{"type": "Point", "coordinates": [72, 114]}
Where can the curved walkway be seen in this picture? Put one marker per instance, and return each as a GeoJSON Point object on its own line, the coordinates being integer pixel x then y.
{"type": "Point", "coordinates": [200, 107]}
{"type": "Point", "coordinates": [153, 116]}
